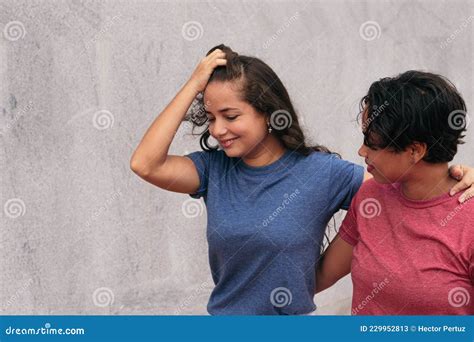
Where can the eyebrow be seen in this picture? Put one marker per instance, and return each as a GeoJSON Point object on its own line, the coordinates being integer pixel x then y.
{"type": "Point", "coordinates": [223, 110]}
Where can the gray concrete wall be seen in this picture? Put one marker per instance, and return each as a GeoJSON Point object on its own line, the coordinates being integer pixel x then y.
{"type": "Point", "coordinates": [80, 81]}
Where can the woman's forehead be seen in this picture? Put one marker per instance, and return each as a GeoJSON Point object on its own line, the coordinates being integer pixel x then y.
{"type": "Point", "coordinates": [221, 92]}
{"type": "Point", "coordinates": [221, 95]}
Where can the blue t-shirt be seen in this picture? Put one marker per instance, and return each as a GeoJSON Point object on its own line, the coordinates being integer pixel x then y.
{"type": "Point", "coordinates": [265, 226]}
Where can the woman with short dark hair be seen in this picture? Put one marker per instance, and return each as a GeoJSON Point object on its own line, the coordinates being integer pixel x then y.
{"type": "Point", "coordinates": [408, 244]}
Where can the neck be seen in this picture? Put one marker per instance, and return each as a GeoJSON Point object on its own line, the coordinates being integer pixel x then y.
{"type": "Point", "coordinates": [267, 152]}
{"type": "Point", "coordinates": [428, 181]}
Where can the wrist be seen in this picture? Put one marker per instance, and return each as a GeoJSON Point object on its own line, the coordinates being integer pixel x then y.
{"type": "Point", "coordinates": [192, 87]}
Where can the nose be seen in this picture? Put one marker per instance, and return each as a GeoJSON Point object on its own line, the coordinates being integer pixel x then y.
{"type": "Point", "coordinates": [218, 128]}
{"type": "Point", "coordinates": [363, 151]}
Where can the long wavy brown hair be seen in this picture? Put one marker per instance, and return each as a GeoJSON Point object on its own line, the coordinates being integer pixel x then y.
{"type": "Point", "coordinates": [262, 88]}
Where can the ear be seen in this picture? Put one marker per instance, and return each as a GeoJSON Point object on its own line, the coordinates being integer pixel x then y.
{"type": "Point", "coordinates": [418, 151]}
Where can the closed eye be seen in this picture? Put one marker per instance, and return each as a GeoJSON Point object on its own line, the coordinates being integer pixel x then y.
{"type": "Point", "coordinates": [230, 118]}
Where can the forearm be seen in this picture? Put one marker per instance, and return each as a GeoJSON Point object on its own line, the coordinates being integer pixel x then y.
{"type": "Point", "coordinates": [334, 264]}
{"type": "Point", "coordinates": [323, 279]}
{"type": "Point", "coordinates": [154, 146]}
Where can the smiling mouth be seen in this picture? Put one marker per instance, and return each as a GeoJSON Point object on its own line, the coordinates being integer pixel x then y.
{"type": "Point", "coordinates": [227, 143]}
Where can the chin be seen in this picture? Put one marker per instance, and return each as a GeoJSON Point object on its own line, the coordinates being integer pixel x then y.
{"type": "Point", "coordinates": [381, 180]}
{"type": "Point", "coordinates": [232, 153]}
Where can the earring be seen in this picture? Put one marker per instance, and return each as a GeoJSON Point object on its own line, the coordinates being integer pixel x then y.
{"type": "Point", "coordinates": [270, 129]}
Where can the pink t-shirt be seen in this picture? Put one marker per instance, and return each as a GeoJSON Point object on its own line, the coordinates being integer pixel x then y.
{"type": "Point", "coordinates": [410, 257]}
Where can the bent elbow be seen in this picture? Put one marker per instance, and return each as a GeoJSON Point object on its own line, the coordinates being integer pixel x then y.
{"type": "Point", "coordinates": [139, 168]}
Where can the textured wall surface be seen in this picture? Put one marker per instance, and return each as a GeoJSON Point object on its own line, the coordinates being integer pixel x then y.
{"type": "Point", "coordinates": [80, 81]}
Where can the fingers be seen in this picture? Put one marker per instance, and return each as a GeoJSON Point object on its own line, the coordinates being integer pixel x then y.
{"type": "Point", "coordinates": [215, 51]}
{"type": "Point", "coordinates": [466, 182]}
{"type": "Point", "coordinates": [221, 61]}
{"type": "Point", "coordinates": [468, 179]}
{"type": "Point", "coordinates": [456, 171]}
{"type": "Point", "coordinates": [205, 68]}
{"type": "Point", "coordinates": [216, 54]}
{"type": "Point", "coordinates": [215, 59]}
{"type": "Point", "coordinates": [461, 185]}
{"type": "Point", "coordinates": [468, 194]}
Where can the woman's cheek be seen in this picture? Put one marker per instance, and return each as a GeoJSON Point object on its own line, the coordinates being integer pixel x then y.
{"type": "Point", "coordinates": [211, 130]}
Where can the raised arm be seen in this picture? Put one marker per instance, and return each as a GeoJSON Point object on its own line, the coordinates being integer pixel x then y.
{"type": "Point", "coordinates": [150, 160]}
{"type": "Point", "coordinates": [334, 264]}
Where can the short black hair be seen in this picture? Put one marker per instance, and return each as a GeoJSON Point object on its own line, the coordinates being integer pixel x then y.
{"type": "Point", "coordinates": [415, 106]}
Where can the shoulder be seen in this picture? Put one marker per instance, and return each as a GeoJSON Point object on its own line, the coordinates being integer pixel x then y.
{"type": "Point", "coordinates": [467, 210]}
{"type": "Point", "coordinates": [372, 189]}
{"type": "Point", "coordinates": [371, 185]}
{"type": "Point", "coordinates": [321, 156]}
{"type": "Point", "coordinates": [334, 167]}
{"type": "Point", "coordinates": [212, 155]}
{"type": "Point", "coordinates": [322, 160]}
{"type": "Point", "coordinates": [331, 160]}
{"type": "Point", "coordinates": [209, 161]}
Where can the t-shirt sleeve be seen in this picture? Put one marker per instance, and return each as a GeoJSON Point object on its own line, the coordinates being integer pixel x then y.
{"type": "Point", "coordinates": [349, 231]}
{"type": "Point", "coordinates": [201, 160]}
{"type": "Point", "coordinates": [346, 179]}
